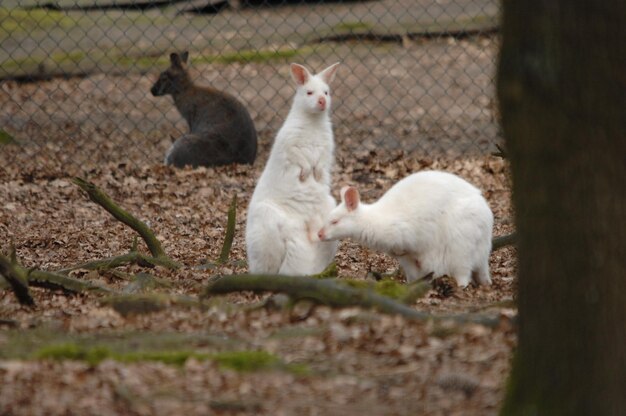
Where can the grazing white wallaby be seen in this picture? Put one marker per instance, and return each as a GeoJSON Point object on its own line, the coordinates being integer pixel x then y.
{"type": "Point", "coordinates": [292, 197]}
{"type": "Point", "coordinates": [221, 129]}
{"type": "Point", "coordinates": [430, 221]}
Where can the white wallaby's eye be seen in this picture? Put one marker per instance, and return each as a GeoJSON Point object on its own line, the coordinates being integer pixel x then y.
{"type": "Point", "coordinates": [309, 93]}
{"type": "Point", "coordinates": [334, 222]}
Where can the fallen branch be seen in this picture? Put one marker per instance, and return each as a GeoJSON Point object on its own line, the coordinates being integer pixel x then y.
{"type": "Point", "coordinates": [50, 280]}
{"type": "Point", "coordinates": [143, 282]}
{"type": "Point", "coordinates": [503, 241]}
{"type": "Point", "coordinates": [137, 304]}
{"type": "Point", "coordinates": [109, 263]}
{"type": "Point", "coordinates": [230, 231]}
{"type": "Point", "coordinates": [99, 197]}
{"type": "Point", "coordinates": [11, 269]}
{"type": "Point", "coordinates": [17, 277]}
{"type": "Point", "coordinates": [327, 292]}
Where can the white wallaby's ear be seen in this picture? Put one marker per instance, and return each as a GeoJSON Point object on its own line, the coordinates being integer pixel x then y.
{"type": "Point", "coordinates": [352, 198]}
{"type": "Point", "coordinates": [342, 193]}
{"type": "Point", "coordinates": [184, 56]}
{"type": "Point", "coordinates": [300, 74]}
{"type": "Point", "coordinates": [329, 73]}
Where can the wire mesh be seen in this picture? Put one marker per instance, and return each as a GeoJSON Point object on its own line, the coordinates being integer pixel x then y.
{"type": "Point", "coordinates": [75, 75]}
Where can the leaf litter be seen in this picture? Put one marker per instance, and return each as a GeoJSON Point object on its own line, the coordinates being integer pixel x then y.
{"type": "Point", "coordinates": [357, 361]}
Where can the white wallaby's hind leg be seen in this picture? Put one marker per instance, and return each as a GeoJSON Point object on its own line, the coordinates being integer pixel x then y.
{"type": "Point", "coordinates": [481, 275]}
{"type": "Point", "coordinates": [325, 254]}
{"type": "Point", "coordinates": [303, 257]}
{"type": "Point", "coordinates": [411, 267]}
{"type": "Point", "coordinates": [265, 243]}
{"type": "Point", "coordinates": [462, 275]}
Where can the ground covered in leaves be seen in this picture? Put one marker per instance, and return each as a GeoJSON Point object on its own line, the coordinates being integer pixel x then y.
{"type": "Point", "coordinates": [310, 360]}
{"type": "Point", "coordinates": [240, 354]}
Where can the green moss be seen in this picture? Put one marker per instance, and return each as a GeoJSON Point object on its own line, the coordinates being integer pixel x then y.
{"type": "Point", "coordinates": [329, 272]}
{"type": "Point", "coordinates": [71, 351]}
{"type": "Point", "coordinates": [166, 357]}
{"type": "Point", "coordinates": [18, 20]}
{"type": "Point", "coordinates": [33, 65]}
{"type": "Point", "coordinates": [385, 287]}
{"type": "Point", "coordinates": [246, 360]}
{"type": "Point", "coordinates": [242, 361]}
{"type": "Point", "coordinates": [252, 55]}
{"type": "Point", "coordinates": [69, 57]}
{"type": "Point", "coordinates": [241, 56]}
{"type": "Point", "coordinates": [391, 289]}
{"type": "Point", "coordinates": [5, 138]}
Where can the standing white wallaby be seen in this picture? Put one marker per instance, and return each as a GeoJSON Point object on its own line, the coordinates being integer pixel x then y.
{"type": "Point", "coordinates": [292, 197]}
{"type": "Point", "coordinates": [430, 221]}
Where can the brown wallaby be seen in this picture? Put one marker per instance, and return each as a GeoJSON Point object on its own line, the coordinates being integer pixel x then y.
{"type": "Point", "coordinates": [221, 131]}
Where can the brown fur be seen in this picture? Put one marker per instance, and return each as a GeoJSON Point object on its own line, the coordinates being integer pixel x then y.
{"type": "Point", "coordinates": [221, 129]}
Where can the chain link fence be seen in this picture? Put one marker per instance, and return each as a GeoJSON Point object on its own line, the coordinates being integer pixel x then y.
{"type": "Point", "coordinates": [75, 75]}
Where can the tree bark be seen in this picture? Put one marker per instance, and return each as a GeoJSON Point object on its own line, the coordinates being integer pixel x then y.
{"type": "Point", "coordinates": [562, 89]}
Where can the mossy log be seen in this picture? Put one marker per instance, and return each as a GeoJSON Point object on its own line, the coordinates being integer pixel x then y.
{"type": "Point", "coordinates": [50, 280]}
{"type": "Point", "coordinates": [136, 304]}
{"type": "Point", "coordinates": [322, 291]}
{"type": "Point", "coordinates": [101, 198]}
{"type": "Point", "coordinates": [20, 278]}
{"type": "Point", "coordinates": [328, 292]}
{"type": "Point", "coordinates": [17, 277]}
{"type": "Point", "coordinates": [132, 257]}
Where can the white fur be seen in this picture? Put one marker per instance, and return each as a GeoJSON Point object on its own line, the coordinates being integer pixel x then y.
{"type": "Point", "coordinates": [430, 221]}
{"type": "Point", "coordinates": [292, 196]}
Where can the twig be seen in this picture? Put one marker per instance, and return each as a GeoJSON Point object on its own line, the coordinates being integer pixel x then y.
{"type": "Point", "coordinates": [503, 241]}
{"type": "Point", "coordinates": [109, 263]}
{"type": "Point", "coordinates": [500, 153]}
{"type": "Point", "coordinates": [99, 197]}
{"type": "Point", "coordinates": [230, 231]}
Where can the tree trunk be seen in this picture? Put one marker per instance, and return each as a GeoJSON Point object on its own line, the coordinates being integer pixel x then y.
{"type": "Point", "coordinates": [562, 94]}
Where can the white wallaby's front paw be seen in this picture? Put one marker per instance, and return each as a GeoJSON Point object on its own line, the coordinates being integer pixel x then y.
{"type": "Point", "coordinates": [305, 173]}
{"type": "Point", "coordinates": [318, 174]}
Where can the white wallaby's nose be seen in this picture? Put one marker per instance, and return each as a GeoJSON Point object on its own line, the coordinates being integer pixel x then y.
{"type": "Point", "coordinates": [321, 103]}
{"type": "Point", "coordinates": [321, 235]}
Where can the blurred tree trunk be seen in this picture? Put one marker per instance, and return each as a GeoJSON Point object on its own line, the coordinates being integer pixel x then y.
{"type": "Point", "coordinates": [562, 94]}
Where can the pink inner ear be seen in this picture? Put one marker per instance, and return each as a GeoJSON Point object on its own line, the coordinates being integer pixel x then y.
{"type": "Point", "coordinates": [329, 73]}
{"type": "Point", "coordinates": [299, 73]}
{"type": "Point", "coordinates": [352, 199]}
